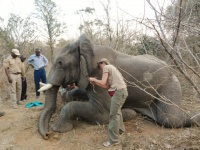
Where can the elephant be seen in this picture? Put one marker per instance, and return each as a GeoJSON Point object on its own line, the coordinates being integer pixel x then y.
{"type": "Point", "coordinates": [74, 94]}
{"type": "Point", "coordinates": [153, 89]}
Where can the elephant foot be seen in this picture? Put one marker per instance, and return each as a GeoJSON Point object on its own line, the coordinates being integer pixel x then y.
{"type": "Point", "coordinates": [128, 114]}
{"type": "Point", "coordinates": [61, 126]}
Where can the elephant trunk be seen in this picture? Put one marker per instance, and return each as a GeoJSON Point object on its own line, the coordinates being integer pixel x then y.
{"type": "Point", "coordinates": [46, 114]}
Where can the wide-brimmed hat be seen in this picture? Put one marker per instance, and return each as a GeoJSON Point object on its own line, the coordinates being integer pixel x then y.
{"type": "Point", "coordinates": [16, 52]}
{"type": "Point", "coordinates": [104, 60]}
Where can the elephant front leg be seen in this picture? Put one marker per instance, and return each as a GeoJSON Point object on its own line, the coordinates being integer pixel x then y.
{"type": "Point", "coordinates": [75, 108]}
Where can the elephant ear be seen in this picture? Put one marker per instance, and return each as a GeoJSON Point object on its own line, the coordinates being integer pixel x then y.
{"type": "Point", "coordinates": [83, 82]}
{"type": "Point", "coordinates": [86, 57]}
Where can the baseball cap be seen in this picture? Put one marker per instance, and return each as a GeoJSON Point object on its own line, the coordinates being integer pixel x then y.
{"type": "Point", "coordinates": [16, 52]}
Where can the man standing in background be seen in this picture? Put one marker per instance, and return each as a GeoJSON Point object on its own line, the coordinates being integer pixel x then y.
{"type": "Point", "coordinates": [15, 72]}
{"type": "Point", "coordinates": [38, 62]}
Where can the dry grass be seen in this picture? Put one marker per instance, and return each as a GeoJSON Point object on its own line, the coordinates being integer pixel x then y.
{"type": "Point", "coordinates": [19, 129]}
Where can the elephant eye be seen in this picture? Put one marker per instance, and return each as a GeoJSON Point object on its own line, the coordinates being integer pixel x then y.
{"type": "Point", "coordinates": [60, 64]}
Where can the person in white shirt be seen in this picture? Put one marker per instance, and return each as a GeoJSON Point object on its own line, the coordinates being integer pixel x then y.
{"type": "Point", "coordinates": [38, 62]}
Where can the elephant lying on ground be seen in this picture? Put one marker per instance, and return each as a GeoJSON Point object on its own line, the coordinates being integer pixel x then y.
{"type": "Point", "coordinates": [153, 89]}
{"type": "Point", "coordinates": [74, 94]}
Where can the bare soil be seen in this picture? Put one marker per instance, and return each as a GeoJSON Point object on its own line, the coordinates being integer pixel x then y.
{"type": "Point", "coordinates": [19, 130]}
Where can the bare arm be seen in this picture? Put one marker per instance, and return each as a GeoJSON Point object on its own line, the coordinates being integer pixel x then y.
{"type": "Point", "coordinates": [102, 82]}
{"type": "Point", "coordinates": [31, 65]}
{"type": "Point", "coordinates": [8, 75]}
{"type": "Point", "coordinates": [30, 61]}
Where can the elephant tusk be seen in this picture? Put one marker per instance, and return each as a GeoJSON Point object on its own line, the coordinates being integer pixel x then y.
{"type": "Point", "coordinates": [45, 87]}
{"type": "Point", "coordinates": [43, 84]}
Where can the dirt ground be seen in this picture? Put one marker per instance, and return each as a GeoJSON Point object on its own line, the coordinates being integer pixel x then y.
{"type": "Point", "coordinates": [19, 131]}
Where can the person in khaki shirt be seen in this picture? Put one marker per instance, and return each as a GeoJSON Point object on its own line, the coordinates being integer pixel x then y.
{"type": "Point", "coordinates": [14, 70]}
{"type": "Point", "coordinates": [113, 80]}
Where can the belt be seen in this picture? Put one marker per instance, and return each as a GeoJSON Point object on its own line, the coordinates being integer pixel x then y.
{"type": "Point", "coordinates": [16, 73]}
{"type": "Point", "coordinates": [40, 69]}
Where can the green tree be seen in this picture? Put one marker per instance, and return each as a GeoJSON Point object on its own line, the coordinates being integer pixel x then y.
{"type": "Point", "coordinates": [180, 23]}
{"type": "Point", "coordinates": [47, 12]}
{"type": "Point", "coordinates": [21, 31]}
{"type": "Point", "coordinates": [149, 45]}
{"type": "Point", "coordinates": [17, 33]}
{"type": "Point", "coordinates": [104, 30]}
{"type": "Point", "coordinates": [184, 16]}
{"type": "Point", "coordinates": [6, 41]}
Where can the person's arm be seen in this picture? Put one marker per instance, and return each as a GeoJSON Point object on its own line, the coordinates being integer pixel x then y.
{"type": "Point", "coordinates": [23, 71]}
{"type": "Point", "coordinates": [102, 82]}
{"type": "Point", "coordinates": [8, 75]}
{"type": "Point", "coordinates": [30, 61]}
{"type": "Point", "coordinates": [6, 66]}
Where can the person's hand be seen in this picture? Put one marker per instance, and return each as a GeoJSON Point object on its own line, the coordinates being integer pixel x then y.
{"type": "Point", "coordinates": [91, 79]}
{"type": "Point", "coordinates": [31, 65]}
{"type": "Point", "coordinates": [10, 80]}
{"type": "Point", "coordinates": [41, 67]}
{"type": "Point", "coordinates": [23, 78]}
{"type": "Point", "coordinates": [71, 86]}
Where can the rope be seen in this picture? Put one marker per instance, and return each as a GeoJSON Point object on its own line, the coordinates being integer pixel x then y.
{"type": "Point", "coordinates": [93, 87]}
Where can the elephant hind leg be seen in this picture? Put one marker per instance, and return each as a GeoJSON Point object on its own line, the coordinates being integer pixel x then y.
{"type": "Point", "coordinates": [167, 111]}
{"type": "Point", "coordinates": [80, 109]}
{"type": "Point", "coordinates": [128, 114]}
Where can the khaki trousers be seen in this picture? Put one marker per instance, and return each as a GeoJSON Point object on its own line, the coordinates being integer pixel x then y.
{"type": "Point", "coordinates": [116, 119]}
{"type": "Point", "coordinates": [15, 88]}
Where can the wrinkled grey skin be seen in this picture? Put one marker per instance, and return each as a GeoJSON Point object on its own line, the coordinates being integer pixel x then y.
{"type": "Point", "coordinates": [74, 95]}
{"type": "Point", "coordinates": [148, 78]}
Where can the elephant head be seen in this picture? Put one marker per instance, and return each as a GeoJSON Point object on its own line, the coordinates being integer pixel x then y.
{"type": "Point", "coordinates": [73, 64]}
